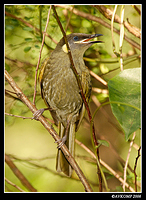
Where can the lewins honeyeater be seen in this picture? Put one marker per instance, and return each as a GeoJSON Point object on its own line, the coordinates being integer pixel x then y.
{"type": "Point", "coordinates": [60, 91]}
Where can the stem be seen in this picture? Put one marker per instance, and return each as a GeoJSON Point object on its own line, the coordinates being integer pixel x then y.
{"type": "Point", "coordinates": [121, 37]}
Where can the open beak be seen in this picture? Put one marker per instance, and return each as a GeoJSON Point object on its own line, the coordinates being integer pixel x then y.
{"type": "Point", "coordinates": [88, 40]}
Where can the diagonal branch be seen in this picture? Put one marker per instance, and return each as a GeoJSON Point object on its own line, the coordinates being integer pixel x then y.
{"type": "Point", "coordinates": [82, 94]}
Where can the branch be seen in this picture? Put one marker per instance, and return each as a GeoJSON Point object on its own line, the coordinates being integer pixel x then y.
{"type": "Point", "coordinates": [81, 91]}
{"type": "Point", "coordinates": [98, 78]}
{"type": "Point", "coordinates": [29, 25]}
{"type": "Point", "coordinates": [135, 168]}
{"type": "Point", "coordinates": [49, 128]}
{"type": "Point", "coordinates": [102, 22]}
{"type": "Point", "coordinates": [108, 14]}
{"type": "Point", "coordinates": [18, 116]}
{"type": "Point", "coordinates": [19, 175]}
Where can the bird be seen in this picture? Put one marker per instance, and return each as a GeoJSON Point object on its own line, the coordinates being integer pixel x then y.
{"type": "Point", "coordinates": [61, 93]}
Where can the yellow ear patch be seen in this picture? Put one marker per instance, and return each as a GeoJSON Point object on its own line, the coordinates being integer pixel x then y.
{"type": "Point", "coordinates": [64, 48]}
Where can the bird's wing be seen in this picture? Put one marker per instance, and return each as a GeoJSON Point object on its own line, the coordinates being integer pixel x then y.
{"type": "Point", "coordinates": [53, 113]}
{"type": "Point", "coordinates": [86, 86]}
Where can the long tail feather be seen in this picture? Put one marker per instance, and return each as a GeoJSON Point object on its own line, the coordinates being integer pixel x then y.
{"type": "Point", "coordinates": [62, 165]}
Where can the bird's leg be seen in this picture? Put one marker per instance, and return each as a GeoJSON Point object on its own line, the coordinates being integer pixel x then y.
{"type": "Point", "coordinates": [39, 112]}
{"type": "Point", "coordinates": [63, 140]}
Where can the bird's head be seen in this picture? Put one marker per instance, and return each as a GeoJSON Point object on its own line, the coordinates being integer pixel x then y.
{"type": "Point", "coordinates": [78, 42]}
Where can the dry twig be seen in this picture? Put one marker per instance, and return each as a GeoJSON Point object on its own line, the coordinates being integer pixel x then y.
{"type": "Point", "coordinates": [14, 185]}
{"type": "Point", "coordinates": [136, 160]}
{"type": "Point", "coordinates": [18, 116]}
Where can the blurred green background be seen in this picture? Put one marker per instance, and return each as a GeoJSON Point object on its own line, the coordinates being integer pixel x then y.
{"type": "Point", "coordinates": [27, 140]}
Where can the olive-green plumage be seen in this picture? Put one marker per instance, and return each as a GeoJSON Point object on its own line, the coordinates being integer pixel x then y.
{"type": "Point", "coordinates": [60, 91]}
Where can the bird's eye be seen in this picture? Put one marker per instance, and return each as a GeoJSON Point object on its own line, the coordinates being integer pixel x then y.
{"type": "Point", "coordinates": [76, 38]}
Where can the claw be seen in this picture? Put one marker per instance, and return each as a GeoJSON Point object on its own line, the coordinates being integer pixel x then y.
{"type": "Point", "coordinates": [63, 140]}
{"type": "Point", "coordinates": [38, 113]}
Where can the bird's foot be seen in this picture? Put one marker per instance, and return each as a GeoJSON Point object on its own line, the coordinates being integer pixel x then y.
{"type": "Point", "coordinates": [38, 113]}
{"type": "Point", "coordinates": [62, 141]}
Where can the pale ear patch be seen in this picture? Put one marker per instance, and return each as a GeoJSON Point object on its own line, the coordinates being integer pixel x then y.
{"type": "Point", "coordinates": [64, 48]}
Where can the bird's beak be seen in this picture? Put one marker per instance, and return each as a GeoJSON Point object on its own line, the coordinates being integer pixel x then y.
{"type": "Point", "coordinates": [87, 40]}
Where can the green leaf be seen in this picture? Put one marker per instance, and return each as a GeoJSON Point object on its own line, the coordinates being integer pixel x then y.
{"type": "Point", "coordinates": [28, 39]}
{"type": "Point", "coordinates": [125, 97]}
{"type": "Point", "coordinates": [27, 28]}
{"type": "Point", "coordinates": [7, 67]}
{"type": "Point", "coordinates": [103, 142]}
{"type": "Point", "coordinates": [37, 46]}
{"type": "Point", "coordinates": [9, 27]}
{"type": "Point", "coordinates": [26, 49]}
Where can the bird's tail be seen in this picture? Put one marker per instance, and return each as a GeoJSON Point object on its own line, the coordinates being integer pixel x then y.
{"type": "Point", "coordinates": [62, 165]}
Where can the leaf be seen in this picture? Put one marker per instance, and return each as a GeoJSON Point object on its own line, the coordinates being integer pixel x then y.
{"type": "Point", "coordinates": [9, 27]}
{"type": "Point", "coordinates": [27, 28]}
{"type": "Point", "coordinates": [37, 46]}
{"type": "Point", "coordinates": [26, 49]}
{"type": "Point", "coordinates": [103, 142]}
{"type": "Point", "coordinates": [7, 67]}
{"type": "Point", "coordinates": [28, 39]}
{"type": "Point", "coordinates": [124, 90]}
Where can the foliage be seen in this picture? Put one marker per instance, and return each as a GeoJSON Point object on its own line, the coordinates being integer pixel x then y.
{"type": "Point", "coordinates": [124, 89]}
{"type": "Point", "coordinates": [27, 143]}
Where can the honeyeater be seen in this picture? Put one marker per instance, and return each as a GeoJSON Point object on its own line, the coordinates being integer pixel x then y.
{"type": "Point", "coordinates": [61, 93]}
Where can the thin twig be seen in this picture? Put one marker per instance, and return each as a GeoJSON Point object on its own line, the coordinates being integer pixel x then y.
{"type": "Point", "coordinates": [136, 160]}
{"type": "Point", "coordinates": [121, 37]}
{"type": "Point", "coordinates": [35, 83]}
{"type": "Point", "coordinates": [98, 78]}
{"type": "Point", "coordinates": [50, 129]}
{"type": "Point", "coordinates": [14, 185]}
{"type": "Point", "coordinates": [18, 116]}
{"type": "Point", "coordinates": [137, 9]}
{"type": "Point", "coordinates": [126, 163]}
{"type": "Point", "coordinates": [81, 92]}
{"type": "Point", "coordinates": [112, 28]}
{"type": "Point", "coordinates": [69, 18]}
